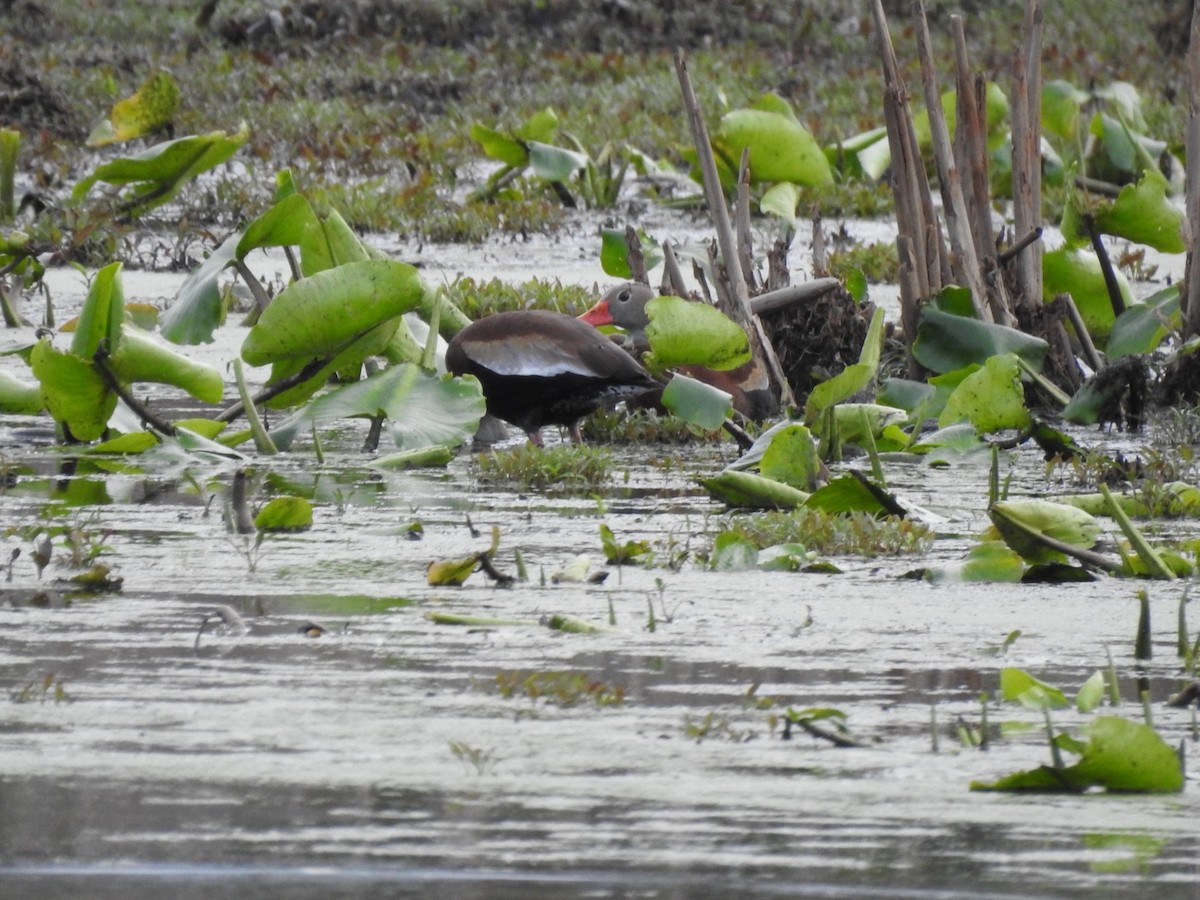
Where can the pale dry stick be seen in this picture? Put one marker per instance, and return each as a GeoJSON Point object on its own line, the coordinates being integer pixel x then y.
{"type": "Point", "coordinates": [719, 212]}
{"type": "Point", "coordinates": [954, 205]}
{"type": "Point", "coordinates": [1026, 155]}
{"type": "Point", "coordinates": [635, 257]}
{"type": "Point", "coordinates": [741, 222]}
{"type": "Point", "coordinates": [1085, 339]}
{"type": "Point", "coordinates": [672, 274]}
{"type": "Point", "coordinates": [791, 295]}
{"type": "Point", "coordinates": [1191, 287]}
{"type": "Point", "coordinates": [777, 268]}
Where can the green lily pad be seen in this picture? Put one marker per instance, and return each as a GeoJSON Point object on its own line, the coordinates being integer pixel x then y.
{"type": "Point", "coordinates": [792, 458]}
{"type": "Point", "coordinates": [422, 409]}
{"type": "Point", "coordinates": [1018, 685]}
{"type": "Point", "coordinates": [781, 149]}
{"type": "Point", "coordinates": [746, 489]}
{"type": "Point", "coordinates": [697, 403]}
{"type": "Point", "coordinates": [1022, 523]}
{"type": "Point", "coordinates": [321, 314]}
{"type": "Point", "coordinates": [285, 514]}
{"type": "Point", "coordinates": [947, 342]}
{"type": "Point", "coordinates": [18, 398]}
{"type": "Point", "coordinates": [851, 379]}
{"type": "Point", "coordinates": [684, 333]}
{"type": "Point", "coordinates": [1077, 272]}
{"type": "Point", "coordinates": [72, 390]}
{"type": "Point", "coordinates": [1140, 213]}
{"type": "Point", "coordinates": [141, 358]}
{"type": "Point", "coordinates": [1144, 326]}
{"type": "Point", "coordinates": [991, 399]}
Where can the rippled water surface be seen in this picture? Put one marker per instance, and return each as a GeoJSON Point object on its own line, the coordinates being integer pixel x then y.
{"type": "Point", "coordinates": [148, 746]}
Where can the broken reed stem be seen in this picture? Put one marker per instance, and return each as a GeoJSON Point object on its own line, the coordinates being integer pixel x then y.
{"type": "Point", "coordinates": [672, 274]}
{"type": "Point", "coordinates": [954, 206]}
{"type": "Point", "coordinates": [1190, 293]}
{"type": "Point", "coordinates": [741, 220]}
{"type": "Point", "coordinates": [1026, 155]}
{"type": "Point", "coordinates": [635, 257]}
{"type": "Point", "coordinates": [739, 306]}
{"type": "Point", "coordinates": [1085, 339]}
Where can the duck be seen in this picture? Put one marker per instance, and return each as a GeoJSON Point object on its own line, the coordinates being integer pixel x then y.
{"type": "Point", "coordinates": [540, 368]}
{"type": "Point", "coordinates": [748, 384]}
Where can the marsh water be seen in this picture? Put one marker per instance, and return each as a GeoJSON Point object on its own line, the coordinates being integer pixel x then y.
{"type": "Point", "coordinates": [193, 734]}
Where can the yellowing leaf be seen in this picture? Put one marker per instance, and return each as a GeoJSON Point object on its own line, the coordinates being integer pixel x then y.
{"type": "Point", "coordinates": [149, 109]}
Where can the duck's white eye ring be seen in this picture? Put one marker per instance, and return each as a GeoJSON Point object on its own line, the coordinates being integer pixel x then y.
{"type": "Point", "coordinates": [624, 295]}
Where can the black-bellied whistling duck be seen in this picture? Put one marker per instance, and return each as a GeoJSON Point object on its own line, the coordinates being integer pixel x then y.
{"type": "Point", "coordinates": [545, 368]}
{"type": "Point", "coordinates": [748, 385]}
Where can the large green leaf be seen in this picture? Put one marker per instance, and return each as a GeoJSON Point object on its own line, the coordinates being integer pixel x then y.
{"type": "Point", "coordinates": [1022, 523]}
{"type": "Point", "coordinates": [853, 492]}
{"type": "Point", "coordinates": [102, 315]}
{"type": "Point", "coordinates": [346, 364]}
{"type": "Point", "coordinates": [1119, 755]}
{"type": "Point", "coordinates": [1140, 213]}
{"type": "Point", "coordinates": [1076, 271]}
{"type": "Point", "coordinates": [158, 173]}
{"type": "Point", "coordinates": [140, 358]}
{"type": "Point", "coordinates": [1061, 106]}
{"type": "Point", "coordinates": [697, 403]}
{"type": "Point", "coordinates": [73, 391]}
{"type": "Point", "coordinates": [552, 163]}
{"type": "Point", "coordinates": [18, 398]}
{"type": "Point", "coordinates": [750, 490]}
{"type": "Point", "coordinates": [1144, 326]}
{"type": "Point", "coordinates": [990, 398]}
{"type": "Point", "coordinates": [151, 108]}
{"type": "Point", "coordinates": [947, 342]}
{"type": "Point", "coordinates": [685, 333]}
{"type": "Point", "coordinates": [853, 378]}
{"type": "Point", "coordinates": [1019, 686]}
{"type": "Point", "coordinates": [792, 458]}
{"type": "Point", "coordinates": [283, 224]}
{"type": "Point", "coordinates": [614, 252]}
{"type": "Point", "coordinates": [422, 409]}
{"type": "Point", "coordinates": [781, 200]}
{"type": "Point", "coordinates": [321, 314]}
{"type": "Point", "coordinates": [500, 146]}
{"type": "Point", "coordinates": [781, 149]}
{"type": "Point", "coordinates": [197, 310]}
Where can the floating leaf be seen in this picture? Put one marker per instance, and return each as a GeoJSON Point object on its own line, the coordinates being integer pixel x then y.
{"type": "Point", "coordinates": [451, 572]}
{"type": "Point", "coordinates": [1018, 685]}
{"type": "Point", "coordinates": [733, 553]}
{"type": "Point", "coordinates": [1140, 213]}
{"type": "Point", "coordinates": [987, 561]}
{"type": "Point", "coordinates": [285, 514]}
{"type": "Point", "coordinates": [750, 490]}
{"type": "Point", "coordinates": [18, 398]}
{"type": "Point", "coordinates": [1119, 755]}
{"type": "Point", "coordinates": [1022, 523]}
{"type": "Point", "coordinates": [853, 492]}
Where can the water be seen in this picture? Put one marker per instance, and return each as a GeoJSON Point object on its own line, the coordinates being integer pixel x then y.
{"type": "Point", "coordinates": [141, 752]}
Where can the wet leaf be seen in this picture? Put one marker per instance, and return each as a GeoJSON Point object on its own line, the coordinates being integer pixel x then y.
{"type": "Point", "coordinates": [500, 146]}
{"type": "Point", "coordinates": [781, 149]}
{"type": "Point", "coordinates": [1144, 326]}
{"type": "Point", "coordinates": [1019, 686]}
{"type": "Point", "coordinates": [991, 399]}
{"type": "Point", "coordinates": [618, 554]}
{"type": "Point", "coordinates": [158, 174]}
{"type": "Point", "coordinates": [1062, 103]}
{"type": "Point", "coordinates": [321, 314]}
{"type": "Point", "coordinates": [747, 489]}
{"type": "Point", "coordinates": [853, 492]}
{"type": "Point", "coordinates": [423, 409]}
{"type": "Point", "coordinates": [1022, 523]}
{"type": "Point", "coordinates": [853, 378]}
{"type": "Point", "coordinates": [733, 553]}
{"type": "Point", "coordinates": [102, 315]}
{"type": "Point", "coordinates": [697, 403]}
{"type": "Point", "coordinates": [784, 558]}
{"type": "Point", "coordinates": [198, 310]}
{"type": "Point", "coordinates": [988, 561]}
{"type": "Point", "coordinates": [285, 514]}
{"type": "Point", "coordinates": [574, 572]}
{"type": "Point", "coordinates": [947, 342]}
{"type": "Point", "coordinates": [685, 333]}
